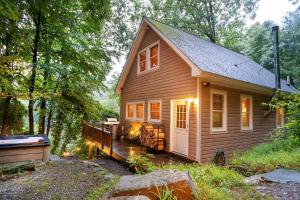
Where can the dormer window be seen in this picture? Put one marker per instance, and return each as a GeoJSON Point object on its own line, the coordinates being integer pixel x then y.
{"type": "Point", "coordinates": [148, 58]}
{"type": "Point", "coordinates": [142, 62]}
{"type": "Point", "coordinates": [154, 56]}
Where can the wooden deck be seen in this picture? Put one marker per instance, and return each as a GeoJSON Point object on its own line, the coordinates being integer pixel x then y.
{"type": "Point", "coordinates": [121, 150]}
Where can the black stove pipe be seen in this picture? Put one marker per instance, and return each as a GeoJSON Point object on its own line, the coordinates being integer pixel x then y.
{"type": "Point", "coordinates": [275, 30]}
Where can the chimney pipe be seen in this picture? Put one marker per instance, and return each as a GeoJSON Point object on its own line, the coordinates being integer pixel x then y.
{"type": "Point", "coordinates": [275, 30]}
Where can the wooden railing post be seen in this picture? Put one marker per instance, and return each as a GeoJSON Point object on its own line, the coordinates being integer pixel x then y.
{"type": "Point", "coordinates": [111, 140]}
{"type": "Point", "coordinates": [102, 133]}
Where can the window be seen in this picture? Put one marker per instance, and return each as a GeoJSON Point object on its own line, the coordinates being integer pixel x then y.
{"type": "Point", "coordinates": [218, 110]}
{"type": "Point", "coordinates": [154, 111]}
{"type": "Point", "coordinates": [246, 113]}
{"type": "Point", "coordinates": [154, 56]}
{"type": "Point", "coordinates": [279, 117]}
{"type": "Point", "coordinates": [142, 61]}
{"type": "Point", "coordinates": [181, 116]}
{"type": "Point", "coordinates": [148, 58]}
{"type": "Point", "coordinates": [140, 110]}
{"type": "Point", "coordinates": [135, 111]}
{"type": "Point", "coordinates": [130, 110]}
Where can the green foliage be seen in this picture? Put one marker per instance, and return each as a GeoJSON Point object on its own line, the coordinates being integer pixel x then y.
{"type": "Point", "coordinates": [280, 152]}
{"type": "Point", "coordinates": [141, 163]}
{"type": "Point", "coordinates": [98, 192]}
{"type": "Point", "coordinates": [258, 45]}
{"type": "Point", "coordinates": [108, 113]}
{"type": "Point", "coordinates": [216, 182]}
{"type": "Point", "coordinates": [291, 105]}
{"type": "Point", "coordinates": [16, 115]}
{"type": "Point", "coordinates": [79, 148]}
{"type": "Point", "coordinates": [165, 193]}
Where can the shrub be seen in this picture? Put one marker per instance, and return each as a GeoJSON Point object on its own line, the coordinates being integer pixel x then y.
{"type": "Point", "coordinates": [141, 163]}
{"type": "Point", "coordinates": [165, 194]}
{"type": "Point", "coordinates": [279, 152]}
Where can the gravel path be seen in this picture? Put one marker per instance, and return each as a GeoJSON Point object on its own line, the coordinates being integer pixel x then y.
{"type": "Point", "coordinates": [280, 191]}
{"type": "Point", "coordinates": [65, 179]}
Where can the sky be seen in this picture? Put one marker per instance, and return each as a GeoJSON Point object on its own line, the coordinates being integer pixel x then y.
{"type": "Point", "coordinates": [267, 10]}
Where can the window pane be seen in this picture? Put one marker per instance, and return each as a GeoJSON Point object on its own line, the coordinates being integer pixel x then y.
{"type": "Point", "coordinates": [217, 119]}
{"type": "Point", "coordinates": [245, 105]}
{"type": "Point", "coordinates": [130, 110]}
{"type": "Point", "coordinates": [142, 61]}
{"type": "Point", "coordinates": [245, 120]}
{"type": "Point", "coordinates": [155, 115]}
{"type": "Point", "coordinates": [140, 110]}
{"type": "Point", "coordinates": [181, 116]}
{"type": "Point", "coordinates": [155, 106]}
{"type": "Point", "coordinates": [155, 111]}
{"type": "Point", "coordinates": [154, 62]}
{"type": "Point", "coordinates": [218, 102]}
{"type": "Point", "coordinates": [154, 56]}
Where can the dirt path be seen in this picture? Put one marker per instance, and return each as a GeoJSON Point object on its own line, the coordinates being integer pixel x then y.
{"type": "Point", "coordinates": [64, 179]}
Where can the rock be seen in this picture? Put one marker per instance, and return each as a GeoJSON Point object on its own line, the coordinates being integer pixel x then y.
{"type": "Point", "coordinates": [108, 176]}
{"type": "Point", "coordinates": [139, 197]}
{"type": "Point", "coordinates": [253, 180]}
{"type": "Point", "coordinates": [93, 164]}
{"type": "Point", "coordinates": [179, 182]}
{"type": "Point", "coordinates": [12, 168]}
{"type": "Point", "coordinates": [54, 157]}
{"type": "Point", "coordinates": [282, 176]}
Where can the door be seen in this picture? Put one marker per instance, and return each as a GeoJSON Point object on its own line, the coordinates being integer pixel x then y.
{"type": "Point", "coordinates": [181, 127]}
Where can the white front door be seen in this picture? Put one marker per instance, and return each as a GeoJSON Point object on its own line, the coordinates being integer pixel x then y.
{"type": "Point", "coordinates": [181, 127]}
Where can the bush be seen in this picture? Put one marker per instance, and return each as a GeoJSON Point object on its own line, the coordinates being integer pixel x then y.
{"type": "Point", "coordinates": [281, 151]}
{"type": "Point", "coordinates": [108, 113]}
{"type": "Point", "coordinates": [141, 163]}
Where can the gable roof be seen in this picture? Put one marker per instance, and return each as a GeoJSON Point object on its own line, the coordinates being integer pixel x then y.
{"type": "Point", "coordinates": [212, 58]}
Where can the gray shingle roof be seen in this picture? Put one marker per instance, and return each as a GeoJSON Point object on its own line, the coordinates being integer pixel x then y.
{"type": "Point", "coordinates": [216, 59]}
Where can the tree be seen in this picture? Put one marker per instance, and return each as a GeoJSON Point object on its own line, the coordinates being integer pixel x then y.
{"type": "Point", "coordinates": [205, 18]}
{"type": "Point", "coordinates": [258, 44]}
{"type": "Point", "coordinates": [290, 46]}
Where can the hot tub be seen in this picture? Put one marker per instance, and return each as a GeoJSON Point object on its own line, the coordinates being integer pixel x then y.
{"type": "Point", "coordinates": [17, 148]}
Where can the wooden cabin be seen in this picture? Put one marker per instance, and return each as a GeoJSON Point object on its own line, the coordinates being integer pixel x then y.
{"type": "Point", "coordinates": [207, 98]}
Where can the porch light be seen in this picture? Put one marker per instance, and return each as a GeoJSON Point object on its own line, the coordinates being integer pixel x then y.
{"type": "Point", "coordinates": [193, 101]}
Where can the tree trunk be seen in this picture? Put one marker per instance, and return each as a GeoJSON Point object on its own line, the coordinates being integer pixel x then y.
{"type": "Point", "coordinates": [37, 22]}
{"type": "Point", "coordinates": [49, 122]}
{"type": "Point", "coordinates": [5, 125]}
{"type": "Point", "coordinates": [43, 107]}
{"type": "Point", "coordinates": [42, 116]}
{"type": "Point", "coordinates": [57, 132]}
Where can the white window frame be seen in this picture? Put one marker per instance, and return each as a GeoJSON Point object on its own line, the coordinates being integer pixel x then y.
{"type": "Point", "coordinates": [282, 120]}
{"type": "Point", "coordinates": [149, 111]}
{"type": "Point", "coordinates": [134, 118]}
{"type": "Point", "coordinates": [250, 128]}
{"type": "Point", "coordinates": [224, 123]}
{"type": "Point", "coordinates": [148, 60]}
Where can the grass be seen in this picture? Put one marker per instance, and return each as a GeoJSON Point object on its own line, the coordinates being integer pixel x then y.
{"type": "Point", "coordinates": [215, 182]}
{"type": "Point", "coordinates": [269, 156]}
{"type": "Point", "coordinates": [98, 192]}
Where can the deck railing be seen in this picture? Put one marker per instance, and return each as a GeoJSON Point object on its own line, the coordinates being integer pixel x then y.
{"type": "Point", "coordinates": [99, 133]}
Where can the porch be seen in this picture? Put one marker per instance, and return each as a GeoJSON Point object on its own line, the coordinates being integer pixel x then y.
{"type": "Point", "coordinates": [100, 137]}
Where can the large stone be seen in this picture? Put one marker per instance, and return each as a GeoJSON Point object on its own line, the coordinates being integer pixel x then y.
{"type": "Point", "coordinates": [138, 197]}
{"type": "Point", "coordinates": [148, 185]}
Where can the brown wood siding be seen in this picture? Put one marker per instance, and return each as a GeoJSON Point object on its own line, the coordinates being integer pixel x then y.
{"type": "Point", "coordinates": [171, 81]}
{"type": "Point", "coordinates": [235, 139]}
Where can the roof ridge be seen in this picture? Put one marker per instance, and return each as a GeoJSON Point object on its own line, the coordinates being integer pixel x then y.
{"type": "Point", "coordinates": [149, 18]}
